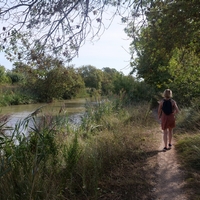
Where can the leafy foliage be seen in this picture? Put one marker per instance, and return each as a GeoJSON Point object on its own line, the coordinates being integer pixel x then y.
{"type": "Point", "coordinates": [49, 79]}
{"type": "Point", "coordinates": [15, 77]}
{"type": "Point", "coordinates": [185, 71]}
{"type": "Point", "coordinates": [109, 76]}
{"type": "Point", "coordinates": [91, 76]}
{"type": "Point", "coordinates": [167, 48]}
{"type": "Point", "coordinates": [3, 77]}
{"type": "Point", "coordinates": [58, 83]}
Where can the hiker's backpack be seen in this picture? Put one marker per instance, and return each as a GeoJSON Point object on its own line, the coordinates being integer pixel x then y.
{"type": "Point", "coordinates": [167, 106]}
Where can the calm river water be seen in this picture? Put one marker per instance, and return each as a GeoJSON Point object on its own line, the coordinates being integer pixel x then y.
{"type": "Point", "coordinates": [72, 108]}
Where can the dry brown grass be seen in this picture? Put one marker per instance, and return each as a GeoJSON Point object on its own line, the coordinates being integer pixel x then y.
{"type": "Point", "coordinates": [132, 172]}
{"type": "Point", "coordinates": [133, 175]}
{"type": "Point", "coordinates": [189, 157]}
{"type": "Point", "coordinates": [114, 160]}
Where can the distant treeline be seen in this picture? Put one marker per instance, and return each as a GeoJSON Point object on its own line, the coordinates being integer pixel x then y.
{"type": "Point", "coordinates": [25, 84]}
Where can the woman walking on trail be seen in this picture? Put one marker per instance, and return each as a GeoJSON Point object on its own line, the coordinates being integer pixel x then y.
{"type": "Point", "coordinates": [166, 113]}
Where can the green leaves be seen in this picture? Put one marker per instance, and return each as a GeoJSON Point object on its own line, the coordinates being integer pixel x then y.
{"type": "Point", "coordinates": [167, 48]}
{"type": "Point", "coordinates": [184, 68]}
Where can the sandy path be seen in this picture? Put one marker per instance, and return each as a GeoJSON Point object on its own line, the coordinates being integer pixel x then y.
{"type": "Point", "coordinates": [170, 181]}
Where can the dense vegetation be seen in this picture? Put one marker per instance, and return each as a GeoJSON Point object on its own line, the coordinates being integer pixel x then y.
{"type": "Point", "coordinates": [58, 161]}
{"type": "Point", "coordinates": [23, 84]}
{"type": "Point", "coordinates": [165, 50]}
{"type": "Point", "coordinates": [101, 158]}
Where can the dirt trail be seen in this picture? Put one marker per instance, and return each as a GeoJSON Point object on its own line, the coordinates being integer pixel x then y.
{"type": "Point", "coordinates": [170, 181]}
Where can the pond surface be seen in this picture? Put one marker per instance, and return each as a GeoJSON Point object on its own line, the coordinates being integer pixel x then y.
{"type": "Point", "coordinates": [71, 108]}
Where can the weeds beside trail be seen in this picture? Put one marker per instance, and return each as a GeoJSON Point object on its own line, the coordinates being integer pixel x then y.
{"type": "Point", "coordinates": [104, 158]}
{"type": "Point", "coordinates": [134, 176]}
{"type": "Point", "coordinates": [188, 148]}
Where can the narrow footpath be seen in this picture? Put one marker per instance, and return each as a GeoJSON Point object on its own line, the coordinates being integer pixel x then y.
{"type": "Point", "coordinates": [170, 183]}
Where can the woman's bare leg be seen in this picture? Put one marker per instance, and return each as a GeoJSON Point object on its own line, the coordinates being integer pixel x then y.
{"type": "Point", "coordinates": [170, 135]}
{"type": "Point", "coordinates": [165, 137]}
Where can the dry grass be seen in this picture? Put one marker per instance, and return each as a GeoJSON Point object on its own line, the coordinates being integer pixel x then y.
{"type": "Point", "coordinates": [128, 149]}
{"type": "Point", "coordinates": [188, 148]}
{"type": "Point", "coordinates": [106, 158]}
{"type": "Point", "coordinates": [132, 177]}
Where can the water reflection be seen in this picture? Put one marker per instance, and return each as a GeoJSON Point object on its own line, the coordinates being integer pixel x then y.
{"type": "Point", "coordinates": [72, 108]}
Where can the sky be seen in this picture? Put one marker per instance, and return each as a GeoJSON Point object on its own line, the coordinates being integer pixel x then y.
{"type": "Point", "coordinates": [111, 50]}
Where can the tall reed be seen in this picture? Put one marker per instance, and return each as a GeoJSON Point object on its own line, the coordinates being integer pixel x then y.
{"type": "Point", "coordinates": [47, 158]}
{"type": "Point", "coordinates": [27, 159]}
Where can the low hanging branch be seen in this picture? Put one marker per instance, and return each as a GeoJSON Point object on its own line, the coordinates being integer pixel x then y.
{"type": "Point", "coordinates": [58, 27]}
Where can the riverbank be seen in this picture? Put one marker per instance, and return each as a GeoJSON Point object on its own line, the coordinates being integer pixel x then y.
{"type": "Point", "coordinates": [72, 108]}
{"type": "Point", "coordinates": [72, 162]}
{"type": "Point", "coordinates": [115, 153]}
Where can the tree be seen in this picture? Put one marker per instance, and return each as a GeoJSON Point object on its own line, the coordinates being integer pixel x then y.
{"type": "Point", "coordinates": [91, 76]}
{"type": "Point", "coordinates": [59, 83]}
{"type": "Point", "coordinates": [15, 77]}
{"type": "Point", "coordinates": [3, 77]}
{"type": "Point", "coordinates": [49, 79]}
{"type": "Point", "coordinates": [109, 76]}
{"type": "Point", "coordinates": [184, 67]}
{"type": "Point", "coordinates": [123, 83]}
{"type": "Point", "coordinates": [61, 26]}
{"type": "Point", "coordinates": [74, 82]}
{"type": "Point", "coordinates": [170, 25]}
